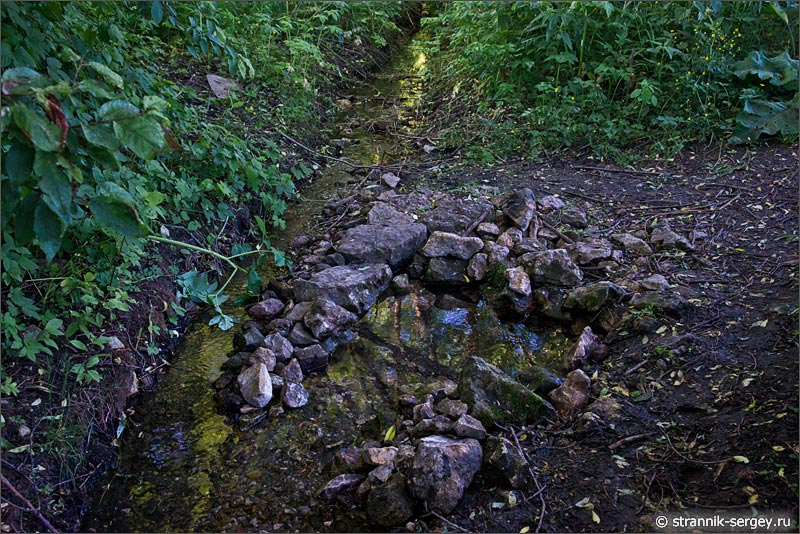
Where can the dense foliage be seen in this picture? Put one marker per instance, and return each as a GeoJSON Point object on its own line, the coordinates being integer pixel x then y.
{"type": "Point", "coordinates": [608, 75]}
{"type": "Point", "coordinates": [114, 150]}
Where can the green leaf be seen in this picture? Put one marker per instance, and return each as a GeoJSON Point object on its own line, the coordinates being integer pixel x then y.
{"type": "Point", "coordinates": [157, 11]}
{"type": "Point", "coordinates": [24, 217]}
{"type": "Point", "coordinates": [118, 215]}
{"type": "Point", "coordinates": [56, 187]}
{"type": "Point", "coordinates": [43, 134]}
{"type": "Point", "coordinates": [94, 88]}
{"type": "Point", "coordinates": [761, 116]}
{"type": "Point", "coordinates": [117, 110]}
{"type": "Point", "coordinates": [390, 433]}
{"type": "Point", "coordinates": [53, 326]}
{"type": "Point", "coordinates": [141, 134]}
{"type": "Point", "coordinates": [78, 344]}
{"type": "Point", "coordinates": [101, 135]}
{"type": "Point", "coordinates": [111, 77]}
{"type": "Point", "coordinates": [253, 282]}
{"type": "Point", "coordinates": [20, 74]}
{"type": "Point", "coordinates": [48, 229]}
{"type": "Point", "coordinates": [19, 162]}
{"type": "Point", "coordinates": [154, 103]}
{"type": "Point", "coordinates": [780, 70]}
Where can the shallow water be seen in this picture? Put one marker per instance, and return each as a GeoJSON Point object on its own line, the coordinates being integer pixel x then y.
{"type": "Point", "coordinates": [183, 468]}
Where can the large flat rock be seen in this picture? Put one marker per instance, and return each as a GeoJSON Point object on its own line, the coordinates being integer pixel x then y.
{"type": "Point", "coordinates": [374, 243]}
{"type": "Point", "coordinates": [457, 216]}
{"type": "Point", "coordinates": [353, 287]}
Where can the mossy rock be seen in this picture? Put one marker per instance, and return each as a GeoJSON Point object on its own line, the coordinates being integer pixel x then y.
{"type": "Point", "coordinates": [493, 396]}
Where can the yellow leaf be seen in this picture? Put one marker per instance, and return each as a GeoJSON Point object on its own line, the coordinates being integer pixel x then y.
{"type": "Point", "coordinates": [741, 459]}
{"type": "Point", "coordinates": [778, 448]}
{"type": "Point", "coordinates": [753, 498]}
{"type": "Point", "coordinates": [595, 517]}
{"type": "Point", "coordinates": [524, 530]}
{"type": "Point", "coordinates": [390, 434]}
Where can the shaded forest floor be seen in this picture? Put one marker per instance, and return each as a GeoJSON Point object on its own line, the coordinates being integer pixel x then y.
{"type": "Point", "coordinates": [709, 399]}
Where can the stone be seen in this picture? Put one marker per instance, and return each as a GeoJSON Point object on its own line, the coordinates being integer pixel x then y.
{"type": "Point", "coordinates": [300, 336]}
{"type": "Point", "coordinates": [325, 318]}
{"type": "Point", "coordinates": [390, 179]}
{"type": "Point", "coordinates": [488, 230]}
{"type": "Point", "coordinates": [655, 282]}
{"type": "Point", "coordinates": [223, 381]}
{"type": "Point", "coordinates": [456, 216]}
{"type": "Point", "coordinates": [114, 343]}
{"type": "Point", "coordinates": [391, 503]}
{"type": "Point", "coordinates": [440, 424]}
{"type": "Point", "coordinates": [298, 311]}
{"type": "Point", "coordinates": [552, 267]}
{"type": "Point", "coordinates": [349, 459]}
{"type": "Point", "coordinates": [520, 207]}
{"type": "Point", "coordinates": [632, 244]}
{"type": "Point", "coordinates": [423, 411]}
{"type": "Point", "coordinates": [439, 388]}
{"type": "Point", "coordinates": [385, 215]}
{"type": "Point", "coordinates": [401, 282]}
{"type": "Point", "coordinates": [381, 473]}
{"type": "Point", "coordinates": [255, 385]}
{"type": "Point", "coordinates": [575, 217]}
{"type": "Point", "coordinates": [468, 427]}
{"type": "Point", "coordinates": [550, 203]}
{"type": "Point", "coordinates": [451, 408]}
{"type": "Point", "coordinates": [446, 271]}
{"type": "Point", "coordinates": [578, 354]}
{"type": "Point", "coordinates": [294, 395]}
{"type": "Point", "coordinates": [505, 241]}
{"type": "Point", "coordinates": [504, 463]}
{"type": "Point", "coordinates": [312, 358]}
{"type": "Point", "coordinates": [220, 86]}
{"type": "Point", "coordinates": [265, 356]}
{"type": "Point", "coordinates": [668, 302]}
{"type": "Point", "coordinates": [280, 346]}
{"type": "Point", "coordinates": [511, 237]}
{"type": "Point", "coordinates": [379, 455]}
{"type": "Point", "coordinates": [443, 469]}
{"type": "Point", "coordinates": [293, 373]}
{"type": "Point", "coordinates": [339, 485]}
{"type": "Point", "coordinates": [280, 326]}
{"type": "Point", "coordinates": [663, 237]}
{"type": "Point", "coordinates": [476, 268]}
{"type": "Point", "coordinates": [540, 379]}
{"type": "Point", "coordinates": [529, 244]}
{"type": "Point", "coordinates": [586, 252]}
{"type": "Point", "coordinates": [572, 394]}
{"type": "Point", "coordinates": [443, 244]}
{"type": "Point", "coordinates": [355, 288]}
{"type": "Point", "coordinates": [593, 297]}
{"type": "Point", "coordinates": [549, 301]}
{"type": "Point", "coordinates": [372, 243]}
{"type": "Point", "coordinates": [496, 253]}
{"type": "Point", "coordinates": [266, 309]}
{"type": "Point", "coordinates": [277, 383]}
{"type": "Point", "coordinates": [518, 281]}
{"type": "Point", "coordinates": [236, 361]}
{"type": "Point", "coordinates": [493, 396]}
{"type": "Point", "coordinates": [229, 400]}
{"type": "Point", "coordinates": [249, 339]}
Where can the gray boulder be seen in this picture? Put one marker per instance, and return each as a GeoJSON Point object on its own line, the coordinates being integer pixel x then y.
{"type": "Point", "coordinates": [446, 271]}
{"type": "Point", "coordinates": [384, 214]}
{"type": "Point", "coordinates": [294, 395]}
{"type": "Point", "coordinates": [372, 243]}
{"type": "Point", "coordinates": [443, 468]}
{"type": "Point", "coordinates": [550, 203]}
{"type": "Point", "coordinates": [325, 318]}
{"type": "Point", "coordinates": [503, 462]}
{"type": "Point", "coordinates": [633, 244]}
{"type": "Point", "coordinates": [468, 427]}
{"type": "Point", "coordinates": [578, 355]}
{"type": "Point", "coordinates": [663, 237]}
{"type": "Point", "coordinates": [300, 336]}
{"type": "Point", "coordinates": [443, 244]}
{"type": "Point", "coordinates": [572, 394]}
{"type": "Point", "coordinates": [339, 485]}
{"type": "Point", "coordinates": [594, 296]}
{"type": "Point", "coordinates": [280, 346]}
{"type": "Point", "coordinates": [266, 309]}
{"type": "Point", "coordinates": [255, 385]}
{"type": "Point", "coordinates": [552, 267]}
{"type": "Point", "coordinates": [312, 358]}
{"type": "Point", "coordinates": [518, 281]}
{"type": "Point", "coordinates": [390, 504]}
{"type": "Point", "coordinates": [476, 268]}
{"type": "Point", "coordinates": [575, 217]}
{"type": "Point", "coordinates": [488, 230]}
{"type": "Point", "coordinates": [293, 373]}
{"type": "Point", "coordinates": [354, 287]}
{"type": "Point", "coordinates": [457, 216]}
{"type": "Point", "coordinates": [493, 396]}
{"type": "Point", "coordinates": [660, 301]}
{"type": "Point", "coordinates": [520, 207]}
{"type": "Point", "coordinates": [585, 252]}
{"type": "Point", "coordinates": [540, 379]}
{"type": "Point", "coordinates": [249, 339]}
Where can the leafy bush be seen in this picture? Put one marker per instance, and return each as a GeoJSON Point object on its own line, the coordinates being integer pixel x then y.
{"type": "Point", "coordinates": [608, 75]}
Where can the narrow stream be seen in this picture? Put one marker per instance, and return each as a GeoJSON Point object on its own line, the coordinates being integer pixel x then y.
{"type": "Point", "coordinates": [182, 468]}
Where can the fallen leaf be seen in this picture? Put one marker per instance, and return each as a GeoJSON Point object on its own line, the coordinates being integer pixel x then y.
{"type": "Point", "coordinates": [741, 459]}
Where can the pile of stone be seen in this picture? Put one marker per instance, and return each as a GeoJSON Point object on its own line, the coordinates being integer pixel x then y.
{"type": "Point", "coordinates": [441, 445]}
{"type": "Point", "coordinates": [505, 246]}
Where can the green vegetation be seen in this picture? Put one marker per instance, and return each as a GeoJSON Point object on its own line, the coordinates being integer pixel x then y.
{"type": "Point", "coordinates": [536, 76]}
{"type": "Point", "coordinates": [119, 165]}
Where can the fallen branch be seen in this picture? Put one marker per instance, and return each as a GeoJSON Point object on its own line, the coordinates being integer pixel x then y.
{"type": "Point", "coordinates": [442, 518]}
{"type": "Point", "coordinates": [620, 171]}
{"type": "Point", "coordinates": [630, 439]}
{"type": "Point", "coordinates": [539, 487]}
{"type": "Point", "coordinates": [27, 503]}
{"type": "Point", "coordinates": [558, 232]}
